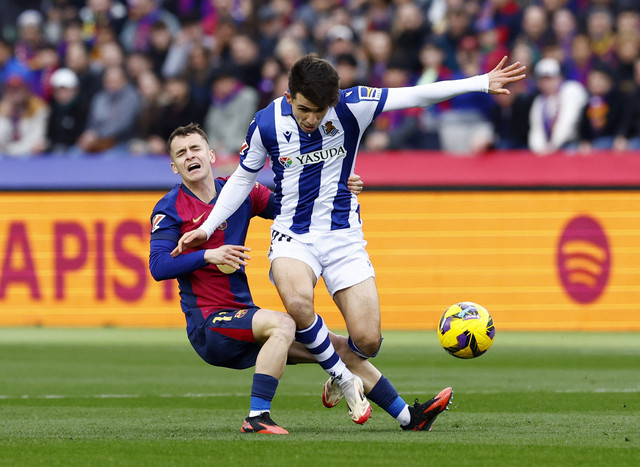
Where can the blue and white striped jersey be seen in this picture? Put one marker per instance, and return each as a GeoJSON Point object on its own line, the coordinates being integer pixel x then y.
{"type": "Point", "coordinates": [311, 170]}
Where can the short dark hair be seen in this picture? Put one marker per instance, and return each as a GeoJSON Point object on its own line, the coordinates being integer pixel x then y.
{"type": "Point", "coordinates": [316, 79]}
{"type": "Point", "coordinates": [186, 130]}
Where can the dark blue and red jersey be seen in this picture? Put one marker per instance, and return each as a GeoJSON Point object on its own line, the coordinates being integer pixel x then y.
{"type": "Point", "coordinates": [204, 288]}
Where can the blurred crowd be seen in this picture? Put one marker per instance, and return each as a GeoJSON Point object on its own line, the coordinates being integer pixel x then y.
{"type": "Point", "coordinates": [82, 77]}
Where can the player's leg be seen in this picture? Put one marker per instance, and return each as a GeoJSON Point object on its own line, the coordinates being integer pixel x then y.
{"type": "Point", "coordinates": [295, 271]}
{"type": "Point", "coordinates": [295, 281]}
{"type": "Point", "coordinates": [275, 332]}
{"type": "Point", "coordinates": [350, 280]}
{"type": "Point", "coordinates": [360, 307]}
{"type": "Point", "coordinates": [379, 389]}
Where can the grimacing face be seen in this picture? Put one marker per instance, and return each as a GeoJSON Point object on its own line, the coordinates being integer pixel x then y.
{"type": "Point", "coordinates": [191, 157]}
{"type": "Point", "coordinates": [306, 113]}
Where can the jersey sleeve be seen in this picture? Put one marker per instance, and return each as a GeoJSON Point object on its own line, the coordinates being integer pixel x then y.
{"type": "Point", "coordinates": [253, 154]}
{"type": "Point", "coordinates": [165, 222]}
{"type": "Point", "coordinates": [425, 95]}
{"type": "Point", "coordinates": [364, 102]}
{"type": "Point", "coordinates": [262, 202]}
{"type": "Point", "coordinates": [165, 231]}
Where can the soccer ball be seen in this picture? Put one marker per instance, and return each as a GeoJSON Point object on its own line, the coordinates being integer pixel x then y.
{"type": "Point", "coordinates": [466, 330]}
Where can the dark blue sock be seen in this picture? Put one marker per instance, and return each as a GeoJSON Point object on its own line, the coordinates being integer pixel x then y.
{"type": "Point", "coordinates": [386, 396]}
{"type": "Point", "coordinates": [262, 392]}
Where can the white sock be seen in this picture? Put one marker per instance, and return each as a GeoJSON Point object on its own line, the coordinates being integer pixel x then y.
{"type": "Point", "coordinates": [404, 417]}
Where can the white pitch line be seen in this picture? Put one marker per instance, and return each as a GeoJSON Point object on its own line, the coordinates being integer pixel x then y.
{"type": "Point", "coordinates": [202, 395]}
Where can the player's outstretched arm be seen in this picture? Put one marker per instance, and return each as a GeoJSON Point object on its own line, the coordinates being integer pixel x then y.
{"type": "Point", "coordinates": [425, 95]}
{"type": "Point", "coordinates": [499, 77]}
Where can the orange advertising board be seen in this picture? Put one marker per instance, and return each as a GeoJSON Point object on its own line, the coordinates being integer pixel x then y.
{"type": "Point", "coordinates": [537, 260]}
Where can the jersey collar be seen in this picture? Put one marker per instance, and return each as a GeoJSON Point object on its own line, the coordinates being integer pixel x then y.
{"type": "Point", "coordinates": [285, 107]}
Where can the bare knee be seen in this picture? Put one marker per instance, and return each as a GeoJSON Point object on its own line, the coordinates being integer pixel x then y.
{"type": "Point", "coordinates": [301, 309]}
{"type": "Point", "coordinates": [285, 328]}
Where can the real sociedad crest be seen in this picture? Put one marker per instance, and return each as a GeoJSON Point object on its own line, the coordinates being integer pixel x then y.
{"type": "Point", "coordinates": [329, 129]}
{"type": "Point", "coordinates": [285, 161]}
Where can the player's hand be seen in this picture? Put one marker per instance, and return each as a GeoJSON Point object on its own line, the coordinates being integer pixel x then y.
{"type": "Point", "coordinates": [190, 240]}
{"type": "Point", "coordinates": [231, 255]}
{"type": "Point", "coordinates": [355, 184]}
{"type": "Point", "coordinates": [499, 77]}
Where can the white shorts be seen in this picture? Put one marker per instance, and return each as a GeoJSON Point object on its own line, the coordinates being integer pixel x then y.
{"type": "Point", "coordinates": [338, 256]}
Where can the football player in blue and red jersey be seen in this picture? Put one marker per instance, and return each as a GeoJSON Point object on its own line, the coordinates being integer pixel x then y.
{"type": "Point", "coordinates": [224, 326]}
{"type": "Point", "coordinates": [311, 136]}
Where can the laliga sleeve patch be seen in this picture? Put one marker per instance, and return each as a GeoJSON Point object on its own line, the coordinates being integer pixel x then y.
{"type": "Point", "coordinates": [369, 94]}
{"type": "Point", "coordinates": [155, 222]}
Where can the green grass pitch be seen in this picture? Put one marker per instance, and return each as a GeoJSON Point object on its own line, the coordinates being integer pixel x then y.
{"type": "Point", "coordinates": [94, 397]}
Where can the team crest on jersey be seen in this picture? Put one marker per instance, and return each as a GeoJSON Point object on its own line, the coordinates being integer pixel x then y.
{"type": "Point", "coordinates": [240, 314]}
{"type": "Point", "coordinates": [369, 94]}
{"type": "Point", "coordinates": [314, 157]}
{"type": "Point", "coordinates": [155, 222]}
{"type": "Point", "coordinates": [223, 226]}
{"type": "Point", "coordinates": [329, 129]}
{"type": "Point", "coordinates": [285, 161]}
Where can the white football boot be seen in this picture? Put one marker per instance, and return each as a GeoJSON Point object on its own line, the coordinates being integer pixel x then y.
{"type": "Point", "coordinates": [353, 391]}
{"type": "Point", "coordinates": [331, 393]}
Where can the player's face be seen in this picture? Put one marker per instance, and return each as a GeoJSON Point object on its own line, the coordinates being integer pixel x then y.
{"type": "Point", "coordinates": [191, 157]}
{"type": "Point", "coordinates": [307, 114]}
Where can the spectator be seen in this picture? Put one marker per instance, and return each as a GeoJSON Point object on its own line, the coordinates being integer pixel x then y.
{"type": "Point", "coordinates": [190, 36]}
{"type": "Point", "coordinates": [142, 15]}
{"type": "Point", "coordinates": [108, 54]}
{"type": "Point", "coordinates": [159, 45]}
{"type": "Point", "coordinates": [565, 29]}
{"type": "Point", "coordinates": [232, 108]}
{"type": "Point", "coordinates": [30, 37]}
{"type": "Point", "coordinates": [8, 63]}
{"type": "Point", "coordinates": [245, 56]}
{"type": "Point", "coordinates": [630, 126]}
{"type": "Point", "coordinates": [178, 108]}
{"type": "Point", "coordinates": [99, 15]}
{"type": "Point", "coordinates": [23, 119]}
{"type": "Point", "coordinates": [458, 24]}
{"type": "Point", "coordinates": [555, 112]}
{"type": "Point", "coordinates": [43, 64]}
{"type": "Point", "coordinates": [347, 67]}
{"type": "Point", "coordinates": [627, 50]}
{"type": "Point", "coordinates": [136, 63]}
{"type": "Point", "coordinates": [506, 15]}
{"type": "Point", "coordinates": [396, 129]}
{"type": "Point", "coordinates": [150, 89]}
{"type": "Point", "coordinates": [466, 128]}
{"type": "Point", "coordinates": [340, 40]}
{"type": "Point", "coordinates": [112, 115]}
{"type": "Point", "coordinates": [378, 49]}
{"type": "Point", "coordinates": [433, 69]}
{"type": "Point", "coordinates": [270, 26]}
{"type": "Point", "coordinates": [492, 50]}
{"type": "Point", "coordinates": [68, 111]}
{"type": "Point", "coordinates": [198, 73]}
{"type": "Point", "coordinates": [408, 32]}
{"type": "Point", "coordinates": [535, 29]}
{"type": "Point", "coordinates": [77, 60]}
{"type": "Point", "coordinates": [601, 35]}
{"type": "Point", "coordinates": [581, 61]}
{"type": "Point", "coordinates": [270, 71]}
{"type": "Point", "coordinates": [510, 120]}
{"type": "Point", "coordinates": [601, 117]}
